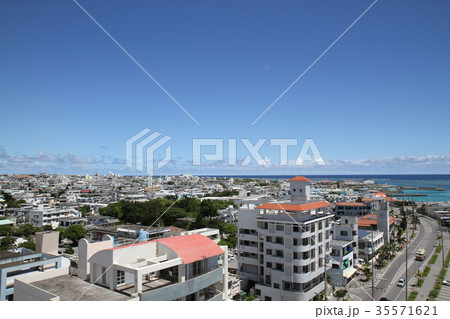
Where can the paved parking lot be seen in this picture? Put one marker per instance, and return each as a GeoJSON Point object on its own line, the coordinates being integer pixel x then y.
{"type": "Point", "coordinates": [444, 294]}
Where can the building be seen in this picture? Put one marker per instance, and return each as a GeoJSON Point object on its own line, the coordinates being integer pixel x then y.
{"type": "Point", "coordinates": [368, 243]}
{"type": "Point", "coordinates": [342, 262]}
{"type": "Point", "coordinates": [346, 229]}
{"type": "Point", "coordinates": [99, 220]}
{"type": "Point", "coordinates": [24, 263]}
{"type": "Point", "coordinates": [50, 216]}
{"type": "Point", "coordinates": [228, 215]}
{"type": "Point", "coordinates": [282, 246]}
{"type": "Point", "coordinates": [190, 267]}
{"type": "Point", "coordinates": [69, 221]}
{"type": "Point", "coordinates": [351, 209]}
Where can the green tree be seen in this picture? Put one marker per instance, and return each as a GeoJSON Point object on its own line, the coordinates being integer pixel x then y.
{"type": "Point", "coordinates": [29, 245]}
{"type": "Point", "coordinates": [26, 230]}
{"type": "Point", "coordinates": [85, 209]}
{"type": "Point", "coordinates": [367, 272]}
{"type": "Point", "coordinates": [74, 233]}
{"type": "Point", "coordinates": [7, 243]}
{"type": "Point", "coordinates": [340, 293]}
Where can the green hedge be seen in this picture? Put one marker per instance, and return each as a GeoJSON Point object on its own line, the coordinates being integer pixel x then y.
{"type": "Point", "coordinates": [426, 271]}
{"type": "Point", "coordinates": [420, 283]}
{"type": "Point", "coordinates": [412, 296]}
{"type": "Point", "coordinates": [438, 249]}
{"type": "Point", "coordinates": [433, 259]}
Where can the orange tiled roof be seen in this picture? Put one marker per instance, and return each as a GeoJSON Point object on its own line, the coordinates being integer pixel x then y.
{"type": "Point", "coordinates": [371, 220]}
{"type": "Point", "coordinates": [300, 179]}
{"type": "Point", "coordinates": [295, 208]}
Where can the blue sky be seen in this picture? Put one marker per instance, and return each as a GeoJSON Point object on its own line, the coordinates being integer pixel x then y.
{"type": "Point", "coordinates": [376, 102]}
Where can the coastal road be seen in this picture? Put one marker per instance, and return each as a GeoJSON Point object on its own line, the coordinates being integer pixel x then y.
{"type": "Point", "coordinates": [385, 280]}
{"type": "Point", "coordinates": [426, 239]}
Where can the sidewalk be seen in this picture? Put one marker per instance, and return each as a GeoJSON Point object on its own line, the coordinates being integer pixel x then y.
{"type": "Point", "coordinates": [429, 280]}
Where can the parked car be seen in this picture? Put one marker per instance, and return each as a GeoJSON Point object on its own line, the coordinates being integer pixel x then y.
{"type": "Point", "coordinates": [401, 283]}
{"type": "Point", "coordinates": [446, 282]}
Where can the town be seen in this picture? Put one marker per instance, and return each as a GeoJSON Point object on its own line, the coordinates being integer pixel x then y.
{"type": "Point", "coordinates": [198, 238]}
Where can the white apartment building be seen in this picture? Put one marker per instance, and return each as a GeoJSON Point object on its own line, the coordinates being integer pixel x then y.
{"type": "Point", "coordinates": [189, 268]}
{"type": "Point", "coordinates": [50, 216]}
{"type": "Point", "coordinates": [351, 209]}
{"type": "Point", "coordinates": [368, 243]}
{"type": "Point", "coordinates": [282, 246]}
{"type": "Point", "coordinates": [342, 262]}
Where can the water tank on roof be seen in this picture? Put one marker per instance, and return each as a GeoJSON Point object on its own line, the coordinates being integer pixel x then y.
{"type": "Point", "coordinates": [142, 235]}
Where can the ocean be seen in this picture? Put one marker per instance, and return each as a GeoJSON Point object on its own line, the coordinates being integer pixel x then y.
{"type": "Point", "coordinates": [413, 180]}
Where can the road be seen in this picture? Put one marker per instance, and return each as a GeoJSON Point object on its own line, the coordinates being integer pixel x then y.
{"type": "Point", "coordinates": [385, 280]}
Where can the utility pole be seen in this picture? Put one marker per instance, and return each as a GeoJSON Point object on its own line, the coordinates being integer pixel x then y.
{"type": "Point", "coordinates": [373, 274]}
{"type": "Point", "coordinates": [406, 255]}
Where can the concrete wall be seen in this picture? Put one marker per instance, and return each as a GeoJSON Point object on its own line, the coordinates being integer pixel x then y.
{"type": "Point", "coordinates": [85, 251]}
{"type": "Point", "coordinates": [183, 289]}
{"type": "Point", "coordinates": [27, 292]}
{"type": "Point", "coordinates": [37, 276]}
{"type": "Point", "coordinates": [47, 242]}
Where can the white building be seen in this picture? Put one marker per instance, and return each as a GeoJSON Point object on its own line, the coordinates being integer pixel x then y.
{"type": "Point", "coordinates": [50, 216]}
{"type": "Point", "coordinates": [190, 267]}
{"type": "Point", "coordinates": [282, 246]}
{"type": "Point", "coordinates": [228, 215]}
{"type": "Point", "coordinates": [342, 262]}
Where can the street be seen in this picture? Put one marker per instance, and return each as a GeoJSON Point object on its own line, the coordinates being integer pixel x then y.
{"type": "Point", "coordinates": [386, 279]}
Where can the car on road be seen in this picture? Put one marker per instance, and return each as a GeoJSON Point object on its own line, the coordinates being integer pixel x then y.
{"type": "Point", "coordinates": [401, 283]}
{"type": "Point", "coordinates": [446, 282]}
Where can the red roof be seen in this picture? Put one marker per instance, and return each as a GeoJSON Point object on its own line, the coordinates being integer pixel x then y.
{"type": "Point", "coordinates": [371, 220]}
{"type": "Point", "coordinates": [191, 248]}
{"type": "Point", "coordinates": [295, 208]}
{"type": "Point", "coordinates": [299, 179]}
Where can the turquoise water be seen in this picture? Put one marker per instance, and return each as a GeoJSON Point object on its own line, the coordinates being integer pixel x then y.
{"type": "Point", "coordinates": [434, 180]}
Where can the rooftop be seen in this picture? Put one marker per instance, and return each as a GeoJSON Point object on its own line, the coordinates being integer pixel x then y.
{"type": "Point", "coordinates": [300, 179]}
{"type": "Point", "coordinates": [371, 220]}
{"type": "Point", "coordinates": [189, 248]}
{"type": "Point", "coordinates": [294, 208]}
{"type": "Point", "coordinates": [350, 204]}
{"type": "Point", "coordinates": [70, 288]}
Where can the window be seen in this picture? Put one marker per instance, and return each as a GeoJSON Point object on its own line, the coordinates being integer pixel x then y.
{"type": "Point", "coordinates": [279, 253]}
{"type": "Point", "coordinates": [268, 239]}
{"type": "Point", "coordinates": [295, 255]}
{"type": "Point", "coordinates": [279, 240]}
{"type": "Point", "coordinates": [120, 277]}
{"type": "Point", "coordinates": [269, 251]}
{"type": "Point", "coordinates": [313, 253]}
{"type": "Point", "coordinates": [269, 265]}
{"type": "Point", "coordinates": [313, 228]}
{"type": "Point", "coordinates": [295, 242]}
{"type": "Point", "coordinates": [280, 227]}
{"type": "Point", "coordinates": [268, 280]}
{"type": "Point", "coordinates": [344, 233]}
{"type": "Point", "coordinates": [306, 269]}
{"type": "Point", "coordinates": [267, 298]}
{"type": "Point", "coordinates": [279, 267]}
{"type": "Point", "coordinates": [305, 242]}
{"type": "Point", "coordinates": [276, 286]}
{"type": "Point", "coordinates": [296, 269]}
{"type": "Point", "coordinates": [320, 225]}
{"type": "Point", "coordinates": [320, 237]}
{"type": "Point", "coordinates": [313, 267]}
{"type": "Point", "coordinates": [296, 228]}
{"type": "Point", "coordinates": [305, 255]}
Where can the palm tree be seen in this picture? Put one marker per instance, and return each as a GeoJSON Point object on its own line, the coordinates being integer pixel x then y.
{"type": "Point", "coordinates": [418, 275]}
{"type": "Point", "coordinates": [415, 220]}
